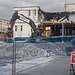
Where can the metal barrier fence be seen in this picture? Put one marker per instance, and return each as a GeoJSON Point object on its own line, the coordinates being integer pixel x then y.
{"type": "Point", "coordinates": [16, 50]}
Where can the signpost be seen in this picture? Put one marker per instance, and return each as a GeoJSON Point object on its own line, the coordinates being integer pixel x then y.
{"type": "Point", "coordinates": [14, 58]}
{"type": "Point", "coordinates": [73, 58]}
{"type": "Point", "coordinates": [72, 63]}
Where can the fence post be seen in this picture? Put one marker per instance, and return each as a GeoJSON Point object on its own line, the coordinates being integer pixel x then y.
{"type": "Point", "coordinates": [14, 58]}
{"type": "Point", "coordinates": [62, 29]}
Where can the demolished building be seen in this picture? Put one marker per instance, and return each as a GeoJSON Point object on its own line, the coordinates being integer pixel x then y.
{"type": "Point", "coordinates": [62, 23]}
{"type": "Point", "coordinates": [53, 23]}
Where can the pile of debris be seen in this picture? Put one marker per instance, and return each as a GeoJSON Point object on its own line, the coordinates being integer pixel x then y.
{"type": "Point", "coordinates": [28, 51]}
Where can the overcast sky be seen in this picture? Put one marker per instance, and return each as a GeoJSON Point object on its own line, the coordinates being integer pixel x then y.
{"type": "Point", "coordinates": [6, 6]}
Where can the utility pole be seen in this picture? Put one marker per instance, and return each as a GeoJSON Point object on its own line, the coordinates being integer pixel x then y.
{"type": "Point", "coordinates": [65, 6]}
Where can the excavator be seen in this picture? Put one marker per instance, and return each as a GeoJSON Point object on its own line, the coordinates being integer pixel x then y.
{"type": "Point", "coordinates": [23, 18]}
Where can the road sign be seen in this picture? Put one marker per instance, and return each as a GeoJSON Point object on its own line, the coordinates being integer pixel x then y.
{"type": "Point", "coordinates": [73, 58]}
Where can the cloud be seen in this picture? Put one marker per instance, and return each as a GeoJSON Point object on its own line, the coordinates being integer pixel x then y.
{"type": "Point", "coordinates": [6, 6]}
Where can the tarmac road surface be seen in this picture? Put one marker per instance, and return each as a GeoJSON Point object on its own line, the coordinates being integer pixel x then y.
{"type": "Point", "coordinates": [59, 66]}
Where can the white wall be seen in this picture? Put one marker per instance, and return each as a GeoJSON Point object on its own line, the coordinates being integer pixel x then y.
{"type": "Point", "coordinates": [70, 7]}
{"type": "Point", "coordinates": [25, 11]}
{"type": "Point", "coordinates": [4, 25]}
{"type": "Point", "coordinates": [26, 30]}
{"type": "Point", "coordinates": [71, 17]}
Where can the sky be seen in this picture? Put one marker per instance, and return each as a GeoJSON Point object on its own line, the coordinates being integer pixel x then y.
{"type": "Point", "coordinates": [6, 6]}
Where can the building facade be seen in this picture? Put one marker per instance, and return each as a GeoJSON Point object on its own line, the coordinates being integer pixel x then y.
{"type": "Point", "coordinates": [70, 7]}
{"type": "Point", "coordinates": [4, 26]}
{"type": "Point", "coordinates": [22, 29]}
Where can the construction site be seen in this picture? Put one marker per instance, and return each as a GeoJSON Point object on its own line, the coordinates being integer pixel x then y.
{"type": "Point", "coordinates": [35, 42]}
{"type": "Point", "coordinates": [47, 24]}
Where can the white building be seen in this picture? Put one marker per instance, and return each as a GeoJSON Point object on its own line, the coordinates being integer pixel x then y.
{"type": "Point", "coordinates": [71, 9]}
{"type": "Point", "coordinates": [22, 29]}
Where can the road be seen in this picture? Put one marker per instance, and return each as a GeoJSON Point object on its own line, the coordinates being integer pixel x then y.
{"type": "Point", "coordinates": [59, 66]}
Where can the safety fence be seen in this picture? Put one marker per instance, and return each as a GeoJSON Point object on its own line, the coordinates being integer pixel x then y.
{"type": "Point", "coordinates": [17, 50]}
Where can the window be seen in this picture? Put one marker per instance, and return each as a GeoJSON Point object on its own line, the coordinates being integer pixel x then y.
{"type": "Point", "coordinates": [29, 12]}
{"type": "Point", "coordinates": [21, 28]}
{"type": "Point", "coordinates": [72, 31]}
{"type": "Point", "coordinates": [68, 31]}
{"type": "Point", "coordinates": [15, 28]}
{"type": "Point", "coordinates": [60, 31]}
{"type": "Point", "coordinates": [0, 22]}
{"type": "Point", "coordinates": [35, 12]}
{"type": "Point", "coordinates": [3, 29]}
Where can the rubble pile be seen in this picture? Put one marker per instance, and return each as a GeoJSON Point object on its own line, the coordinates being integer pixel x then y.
{"type": "Point", "coordinates": [28, 51]}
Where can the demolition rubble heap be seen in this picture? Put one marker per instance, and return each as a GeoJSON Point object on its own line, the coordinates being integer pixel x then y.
{"type": "Point", "coordinates": [28, 51]}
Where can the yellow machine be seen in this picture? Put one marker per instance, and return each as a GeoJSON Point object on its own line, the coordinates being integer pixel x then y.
{"type": "Point", "coordinates": [43, 32]}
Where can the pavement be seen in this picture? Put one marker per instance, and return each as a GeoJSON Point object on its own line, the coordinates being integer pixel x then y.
{"type": "Point", "coordinates": [58, 66]}
{"type": "Point", "coordinates": [24, 65]}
